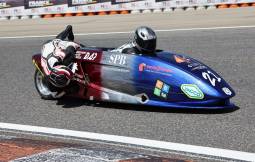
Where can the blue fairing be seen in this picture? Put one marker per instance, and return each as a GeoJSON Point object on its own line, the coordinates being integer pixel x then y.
{"type": "Point", "coordinates": [150, 72]}
{"type": "Point", "coordinates": [166, 80]}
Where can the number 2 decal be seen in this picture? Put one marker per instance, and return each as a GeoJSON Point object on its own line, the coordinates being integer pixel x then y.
{"type": "Point", "coordinates": [212, 78]}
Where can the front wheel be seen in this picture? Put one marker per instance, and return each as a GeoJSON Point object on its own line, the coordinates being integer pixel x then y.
{"type": "Point", "coordinates": [41, 86]}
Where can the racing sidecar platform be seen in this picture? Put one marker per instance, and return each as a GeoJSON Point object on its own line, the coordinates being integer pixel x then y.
{"type": "Point", "coordinates": [164, 80]}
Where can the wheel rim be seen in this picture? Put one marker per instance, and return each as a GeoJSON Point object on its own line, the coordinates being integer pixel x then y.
{"type": "Point", "coordinates": [40, 83]}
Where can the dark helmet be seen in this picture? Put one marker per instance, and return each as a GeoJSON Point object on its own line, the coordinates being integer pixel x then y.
{"type": "Point", "coordinates": [145, 39]}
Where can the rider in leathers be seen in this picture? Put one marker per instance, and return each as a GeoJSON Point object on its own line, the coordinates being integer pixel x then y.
{"type": "Point", "coordinates": [57, 55]}
{"type": "Point", "coordinates": [144, 42]}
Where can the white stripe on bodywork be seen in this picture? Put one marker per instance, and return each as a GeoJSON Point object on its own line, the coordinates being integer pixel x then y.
{"type": "Point", "coordinates": [216, 152]}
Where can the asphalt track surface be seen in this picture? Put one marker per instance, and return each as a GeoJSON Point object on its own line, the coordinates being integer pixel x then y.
{"type": "Point", "coordinates": [229, 51]}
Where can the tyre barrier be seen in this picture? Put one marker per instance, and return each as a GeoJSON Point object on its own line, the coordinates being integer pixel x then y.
{"type": "Point", "coordinates": [144, 11]}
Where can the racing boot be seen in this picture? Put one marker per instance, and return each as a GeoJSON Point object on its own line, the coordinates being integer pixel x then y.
{"type": "Point", "coordinates": [72, 88]}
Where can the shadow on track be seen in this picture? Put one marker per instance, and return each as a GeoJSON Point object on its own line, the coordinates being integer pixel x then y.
{"type": "Point", "coordinates": [68, 102]}
{"type": "Point", "coordinates": [75, 102]}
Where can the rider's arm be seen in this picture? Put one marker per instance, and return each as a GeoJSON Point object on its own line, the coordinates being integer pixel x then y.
{"type": "Point", "coordinates": [125, 48]}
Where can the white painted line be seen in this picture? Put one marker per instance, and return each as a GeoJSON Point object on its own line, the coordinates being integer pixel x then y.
{"type": "Point", "coordinates": [126, 32]}
{"type": "Point", "coordinates": [216, 152]}
{"type": "Point", "coordinates": [67, 138]}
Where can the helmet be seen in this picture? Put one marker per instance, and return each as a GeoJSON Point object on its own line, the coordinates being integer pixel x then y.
{"type": "Point", "coordinates": [145, 39]}
{"type": "Point", "coordinates": [61, 76]}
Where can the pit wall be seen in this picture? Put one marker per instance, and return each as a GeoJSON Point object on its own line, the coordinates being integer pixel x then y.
{"type": "Point", "coordinates": [47, 8]}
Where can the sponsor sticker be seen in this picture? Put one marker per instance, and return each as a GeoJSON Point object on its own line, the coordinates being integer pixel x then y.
{"type": "Point", "coordinates": [91, 56]}
{"type": "Point", "coordinates": [181, 59]}
{"type": "Point", "coordinates": [154, 69]}
{"type": "Point", "coordinates": [161, 89]}
{"type": "Point", "coordinates": [191, 63]}
{"type": "Point", "coordinates": [123, 1]}
{"type": "Point", "coordinates": [82, 2]}
{"type": "Point", "coordinates": [159, 84]}
{"type": "Point", "coordinates": [192, 91]}
{"type": "Point", "coordinates": [118, 59]}
{"type": "Point", "coordinates": [166, 88]}
{"type": "Point", "coordinates": [122, 70]}
{"type": "Point", "coordinates": [227, 91]}
{"type": "Point", "coordinates": [74, 67]}
{"type": "Point", "coordinates": [199, 67]}
{"type": "Point", "coordinates": [39, 3]}
{"type": "Point", "coordinates": [42, 3]}
{"type": "Point", "coordinates": [211, 77]}
{"type": "Point", "coordinates": [157, 91]}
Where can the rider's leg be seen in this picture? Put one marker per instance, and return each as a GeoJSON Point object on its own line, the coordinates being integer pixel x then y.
{"type": "Point", "coordinates": [70, 55]}
{"type": "Point", "coordinates": [68, 32]}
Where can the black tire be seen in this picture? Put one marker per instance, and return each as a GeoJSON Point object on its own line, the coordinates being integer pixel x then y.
{"type": "Point", "coordinates": [41, 86]}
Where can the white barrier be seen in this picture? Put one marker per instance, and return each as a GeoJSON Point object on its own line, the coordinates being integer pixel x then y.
{"type": "Point", "coordinates": [211, 7]}
{"type": "Point", "coordinates": [139, 6]}
{"type": "Point", "coordinates": [167, 10]}
{"type": "Point", "coordinates": [3, 18]}
{"type": "Point", "coordinates": [135, 12]}
{"type": "Point", "coordinates": [201, 8]}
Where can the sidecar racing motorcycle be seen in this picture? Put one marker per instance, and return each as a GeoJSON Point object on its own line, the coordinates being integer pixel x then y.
{"type": "Point", "coordinates": [164, 80]}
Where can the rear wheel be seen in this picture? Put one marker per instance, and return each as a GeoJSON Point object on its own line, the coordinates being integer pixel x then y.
{"type": "Point", "coordinates": [41, 86]}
